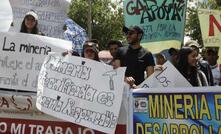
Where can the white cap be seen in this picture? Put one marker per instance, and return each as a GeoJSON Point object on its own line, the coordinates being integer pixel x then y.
{"type": "Point", "coordinates": [32, 13]}
{"type": "Point", "coordinates": [192, 43]}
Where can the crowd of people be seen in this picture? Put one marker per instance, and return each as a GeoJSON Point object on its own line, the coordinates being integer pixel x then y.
{"type": "Point", "coordinates": [197, 69]}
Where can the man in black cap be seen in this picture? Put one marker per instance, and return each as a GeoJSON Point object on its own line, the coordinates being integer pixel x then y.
{"type": "Point", "coordinates": [134, 57]}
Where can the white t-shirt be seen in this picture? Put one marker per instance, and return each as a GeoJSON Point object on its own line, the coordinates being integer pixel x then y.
{"type": "Point", "coordinates": [216, 74]}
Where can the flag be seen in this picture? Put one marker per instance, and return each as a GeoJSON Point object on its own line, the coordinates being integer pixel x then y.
{"type": "Point", "coordinates": [76, 34]}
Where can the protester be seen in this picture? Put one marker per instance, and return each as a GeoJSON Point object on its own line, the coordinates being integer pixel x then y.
{"type": "Point", "coordinates": [30, 24]}
{"type": "Point", "coordinates": [105, 57]}
{"type": "Point", "coordinates": [134, 57]}
{"type": "Point", "coordinates": [187, 66]}
{"type": "Point", "coordinates": [201, 64]}
{"type": "Point", "coordinates": [90, 50]}
{"type": "Point", "coordinates": [113, 46]}
{"type": "Point", "coordinates": [212, 57]}
{"type": "Point", "coordinates": [173, 52]}
{"type": "Point", "coordinates": [160, 59]}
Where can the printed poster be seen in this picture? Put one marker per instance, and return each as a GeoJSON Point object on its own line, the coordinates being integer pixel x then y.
{"type": "Point", "coordinates": [177, 110]}
{"type": "Point", "coordinates": [19, 115]}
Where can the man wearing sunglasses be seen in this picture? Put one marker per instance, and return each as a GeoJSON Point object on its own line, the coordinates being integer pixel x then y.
{"type": "Point", "coordinates": [136, 58]}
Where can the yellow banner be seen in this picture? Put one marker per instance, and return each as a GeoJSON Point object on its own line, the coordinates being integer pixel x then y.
{"type": "Point", "coordinates": [156, 47]}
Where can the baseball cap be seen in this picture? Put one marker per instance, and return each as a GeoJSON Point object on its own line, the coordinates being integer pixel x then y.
{"type": "Point", "coordinates": [32, 13]}
{"type": "Point", "coordinates": [173, 51]}
{"type": "Point", "coordinates": [91, 45]}
{"type": "Point", "coordinates": [132, 28]}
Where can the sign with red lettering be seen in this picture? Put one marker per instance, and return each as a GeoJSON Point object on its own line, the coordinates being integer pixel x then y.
{"type": "Point", "coordinates": [24, 126]}
{"type": "Point", "coordinates": [210, 23]}
{"type": "Point", "coordinates": [19, 115]}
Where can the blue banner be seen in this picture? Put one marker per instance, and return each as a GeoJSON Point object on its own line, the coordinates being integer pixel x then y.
{"type": "Point", "coordinates": [187, 112]}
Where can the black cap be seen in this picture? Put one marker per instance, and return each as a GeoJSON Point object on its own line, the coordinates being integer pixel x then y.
{"type": "Point", "coordinates": [132, 28]}
{"type": "Point", "coordinates": [173, 51]}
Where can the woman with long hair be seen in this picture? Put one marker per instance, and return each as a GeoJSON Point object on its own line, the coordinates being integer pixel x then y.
{"type": "Point", "coordinates": [187, 66]}
{"type": "Point", "coordinates": [30, 23]}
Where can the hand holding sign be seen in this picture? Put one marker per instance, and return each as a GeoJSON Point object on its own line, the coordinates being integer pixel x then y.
{"type": "Point", "coordinates": [165, 78]}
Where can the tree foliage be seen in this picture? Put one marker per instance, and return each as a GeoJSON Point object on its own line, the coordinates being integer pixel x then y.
{"type": "Point", "coordinates": [107, 19]}
{"type": "Point", "coordinates": [193, 24]}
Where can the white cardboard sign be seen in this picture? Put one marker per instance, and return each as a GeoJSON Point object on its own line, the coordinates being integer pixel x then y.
{"type": "Point", "coordinates": [82, 91]}
{"type": "Point", "coordinates": [21, 57]}
{"type": "Point", "coordinates": [51, 15]}
{"type": "Point", "coordinates": [168, 77]}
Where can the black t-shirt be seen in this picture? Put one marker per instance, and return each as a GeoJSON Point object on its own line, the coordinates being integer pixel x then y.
{"type": "Point", "coordinates": [136, 61]}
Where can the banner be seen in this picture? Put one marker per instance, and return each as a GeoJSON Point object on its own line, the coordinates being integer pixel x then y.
{"type": "Point", "coordinates": [165, 78]}
{"type": "Point", "coordinates": [210, 24]}
{"type": "Point", "coordinates": [82, 91]}
{"type": "Point", "coordinates": [161, 20]}
{"type": "Point", "coordinates": [51, 15]}
{"type": "Point", "coordinates": [177, 111]}
{"type": "Point", "coordinates": [19, 115]}
{"type": "Point", "coordinates": [21, 57]}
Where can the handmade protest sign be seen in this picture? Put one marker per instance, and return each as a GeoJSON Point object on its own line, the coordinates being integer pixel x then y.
{"type": "Point", "coordinates": [82, 91]}
{"type": "Point", "coordinates": [51, 15]}
{"type": "Point", "coordinates": [178, 110]}
{"type": "Point", "coordinates": [161, 20]}
{"type": "Point", "coordinates": [21, 57]}
{"type": "Point", "coordinates": [210, 24]}
{"type": "Point", "coordinates": [165, 78]}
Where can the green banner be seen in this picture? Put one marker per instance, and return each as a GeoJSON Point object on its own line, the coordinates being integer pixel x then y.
{"type": "Point", "coordinates": [161, 20]}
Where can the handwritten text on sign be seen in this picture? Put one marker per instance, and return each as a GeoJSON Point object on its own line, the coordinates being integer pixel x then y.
{"type": "Point", "coordinates": [81, 91]}
{"type": "Point", "coordinates": [160, 19]}
{"type": "Point", "coordinates": [21, 58]}
{"type": "Point", "coordinates": [51, 15]}
{"type": "Point", "coordinates": [210, 26]}
{"type": "Point", "coordinates": [164, 78]}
